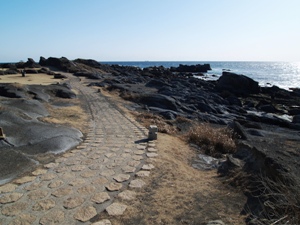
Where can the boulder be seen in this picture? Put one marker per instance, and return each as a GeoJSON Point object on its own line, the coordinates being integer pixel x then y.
{"type": "Point", "coordinates": [159, 101]}
{"type": "Point", "coordinates": [60, 63]}
{"type": "Point", "coordinates": [192, 68]}
{"type": "Point", "coordinates": [31, 64]}
{"type": "Point", "coordinates": [237, 84]}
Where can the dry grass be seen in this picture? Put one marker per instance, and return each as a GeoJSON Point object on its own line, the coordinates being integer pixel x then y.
{"type": "Point", "coordinates": [176, 193]}
{"type": "Point", "coordinates": [39, 78]}
{"type": "Point", "coordinates": [214, 141]}
{"type": "Point", "coordinates": [73, 116]}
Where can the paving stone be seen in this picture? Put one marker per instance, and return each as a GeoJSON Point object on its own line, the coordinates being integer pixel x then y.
{"type": "Point", "coordinates": [86, 190]}
{"type": "Point", "coordinates": [133, 163]}
{"type": "Point", "coordinates": [23, 219]}
{"type": "Point", "coordinates": [8, 188]}
{"type": "Point", "coordinates": [128, 169]}
{"type": "Point", "coordinates": [137, 157]}
{"type": "Point", "coordinates": [37, 194]}
{"type": "Point", "coordinates": [39, 172]}
{"type": "Point", "coordinates": [100, 180]}
{"type": "Point", "coordinates": [111, 165]}
{"type": "Point", "coordinates": [33, 186]}
{"type": "Point", "coordinates": [137, 183]}
{"type": "Point", "coordinates": [44, 205]}
{"type": "Point", "coordinates": [60, 169]}
{"type": "Point", "coordinates": [67, 176]}
{"type": "Point", "coordinates": [102, 222]}
{"type": "Point", "coordinates": [77, 182]}
{"type": "Point", "coordinates": [141, 147]}
{"type": "Point", "coordinates": [51, 165]}
{"type": "Point", "coordinates": [152, 155]}
{"type": "Point", "coordinates": [96, 166]}
{"type": "Point", "coordinates": [48, 176]}
{"type": "Point", "coordinates": [73, 202]}
{"type": "Point", "coordinates": [85, 213]}
{"type": "Point", "coordinates": [110, 155]}
{"type": "Point", "coordinates": [87, 162]}
{"type": "Point", "coordinates": [24, 180]}
{"type": "Point", "coordinates": [62, 192]}
{"type": "Point", "coordinates": [107, 173]}
{"type": "Point", "coordinates": [148, 167]}
{"type": "Point", "coordinates": [94, 156]}
{"type": "Point", "coordinates": [121, 177]}
{"type": "Point", "coordinates": [59, 160]}
{"type": "Point", "coordinates": [127, 195]}
{"type": "Point", "coordinates": [14, 209]}
{"type": "Point", "coordinates": [100, 197]}
{"type": "Point", "coordinates": [53, 217]}
{"type": "Point", "coordinates": [68, 155]}
{"type": "Point", "coordinates": [11, 197]}
{"type": "Point", "coordinates": [152, 150]}
{"type": "Point", "coordinates": [151, 145]}
{"type": "Point", "coordinates": [89, 173]}
{"type": "Point", "coordinates": [116, 209]}
{"type": "Point", "coordinates": [143, 173]}
{"type": "Point", "coordinates": [114, 186]}
{"type": "Point", "coordinates": [78, 167]}
{"type": "Point", "coordinates": [55, 184]}
{"type": "Point", "coordinates": [72, 162]}
{"type": "Point", "coordinates": [139, 152]}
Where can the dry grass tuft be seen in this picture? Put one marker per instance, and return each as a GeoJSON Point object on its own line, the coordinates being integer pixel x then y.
{"type": "Point", "coordinates": [215, 141]}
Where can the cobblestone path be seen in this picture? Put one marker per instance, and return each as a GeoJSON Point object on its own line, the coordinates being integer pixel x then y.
{"type": "Point", "coordinates": [101, 172]}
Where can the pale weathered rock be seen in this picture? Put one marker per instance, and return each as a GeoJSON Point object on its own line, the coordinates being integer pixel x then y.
{"type": "Point", "coordinates": [62, 192]}
{"type": "Point", "coordinates": [141, 147]}
{"type": "Point", "coordinates": [12, 197]}
{"type": "Point", "coordinates": [24, 180]}
{"type": "Point", "coordinates": [39, 172]}
{"type": "Point", "coordinates": [121, 177]}
{"type": "Point", "coordinates": [152, 155]}
{"type": "Point", "coordinates": [43, 205]}
{"type": "Point", "coordinates": [67, 176]}
{"type": "Point", "coordinates": [24, 219]}
{"type": "Point", "coordinates": [216, 222]}
{"type": "Point", "coordinates": [8, 188]}
{"type": "Point", "coordinates": [14, 209]}
{"type": "Point", "coordinates": [100, 197]}
{"type": "Point", "coordinates": [55, 184]}
{"type": "Point", "coordinates": [73, 202]}
{"type": "Point", "coordinates": [86, 190]}
{"type": "Point", "coordinates": [96, 166]}
{"type": "Point", "coordinates": [113, 186]}
{"type": "Point", "coordinates": [148, 167]}
{"type": "Point", "coordinates": [116, 209]}
{"type": "Point", "coordinates": [48, 176]}
{"type": "Point", "coordinates": [37, 194]}
{"type": "Point", "coordinates": [137, 183]}
{"type": "Point", "coordinates": [143, 173]}
{"type": "Point", "coordinates": [53, 217]}
{"type": "Point", "coordinates": [102, 222]}
{"type": "Point", "coordinates": [127, 195]}
{"type": "Point", "coordinates": [85, 213]}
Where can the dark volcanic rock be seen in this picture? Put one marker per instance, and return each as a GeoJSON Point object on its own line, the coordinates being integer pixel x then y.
{"type": "Point", "coordinates": [237, 84]}
{"type": "Point", "coordinates": [60, 63]}
{"type": "Point", "coordinates": [31, 64]}
{"type": "Point", "coordinates": [192, 68]}
{"type": "Point", "coordinates": [159, 101]}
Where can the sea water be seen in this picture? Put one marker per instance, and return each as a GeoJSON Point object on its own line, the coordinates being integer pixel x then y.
{"type": "Point", "coordinates": [282, 74]}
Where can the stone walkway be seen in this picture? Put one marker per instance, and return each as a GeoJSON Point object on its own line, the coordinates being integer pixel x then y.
{"type": "Point", "coordinates": [100, 174]}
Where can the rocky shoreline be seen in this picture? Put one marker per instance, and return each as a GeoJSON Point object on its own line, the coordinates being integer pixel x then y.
{"type": "Point", "coordinates": [266, 120]}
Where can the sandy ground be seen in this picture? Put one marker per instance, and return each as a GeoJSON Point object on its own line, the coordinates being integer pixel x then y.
{"type": "Point", "coordinates": [39, 78]}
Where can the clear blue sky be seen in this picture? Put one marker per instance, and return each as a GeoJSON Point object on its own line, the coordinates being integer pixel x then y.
{"type": "Point", "coordinates": [170, 30]}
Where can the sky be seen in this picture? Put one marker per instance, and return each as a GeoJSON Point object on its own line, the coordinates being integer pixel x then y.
{"type": "Point", "coordinates": [150, 30]}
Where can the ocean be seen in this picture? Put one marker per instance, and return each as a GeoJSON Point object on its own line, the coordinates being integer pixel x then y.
{"type": "Point", "coordinates": [282, 74]}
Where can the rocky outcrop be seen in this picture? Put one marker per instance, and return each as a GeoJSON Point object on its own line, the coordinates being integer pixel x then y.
{"type": "Point", "coordinates": [31, 64]}
{"type": "Point", "coordinates": [237, 84]}
{"type": "Point", "coordinates": [60, 63]}
{"type": "Point", "coordinates": [192, 68]}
